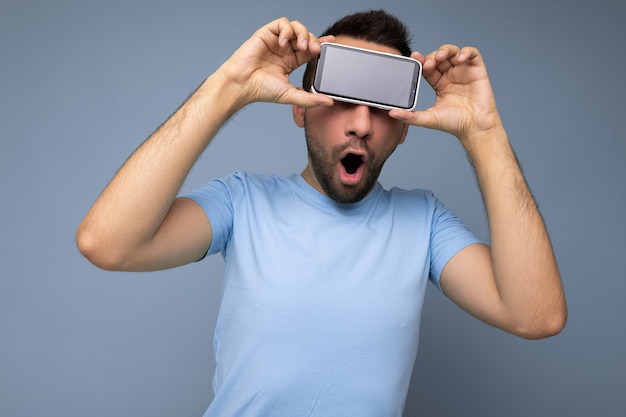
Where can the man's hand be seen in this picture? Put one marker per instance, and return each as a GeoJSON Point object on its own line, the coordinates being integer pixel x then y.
{"type": "Point", "coordinates": [261, 66]}
{"type": "Point", "coordinates": [137, 223]}
{"type": "Point", "coordinates": [515, 283]}
{"type": "Point", "coordinates": [465, 104]}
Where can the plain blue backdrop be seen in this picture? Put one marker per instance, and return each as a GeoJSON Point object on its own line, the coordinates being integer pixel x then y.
{"type": "Point", "coordinates": [83, 83]}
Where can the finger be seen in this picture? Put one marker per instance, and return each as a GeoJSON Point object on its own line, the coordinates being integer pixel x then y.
{"type": "Point", "coordinates": [467, 54]}
{"type": "Point", "coordinates": [310, 49]}
{"type": "Point", "coordinates": [440, 57]}
{"type": "Point", "coordinates": [429, 61]}
{"type": "Point", "coordinates": [433, 68]}
{"type": "Point", "coordinates": [315, 43]}
{"type": "Point", "coordinates": [292, 33]}
{"type": "Point", "coordinates": [282, 29]}
{"type": "Point", "coordinates": [300, 41]}
{"type": "Point", "coordinates": [416, 118]}
{"type": "Point", "coordinates": [446, 52]}
{"type": "Point", "coordinates": [446, 57]}
{"type": "Point", "coordinates": [314, 48]}
{"type": "Point", "coordinates": [303, 98]}
{"type": "Point", "coordinates": [431, 73]}
{"type": "Point", "coordinates": [418, 56]}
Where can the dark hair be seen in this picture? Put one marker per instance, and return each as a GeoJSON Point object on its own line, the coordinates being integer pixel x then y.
{"type": "Point", "coordinates": [376, 26]}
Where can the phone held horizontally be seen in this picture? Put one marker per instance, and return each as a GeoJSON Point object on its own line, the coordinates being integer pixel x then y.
{"type": "Point", "coordinates": [362, 76]}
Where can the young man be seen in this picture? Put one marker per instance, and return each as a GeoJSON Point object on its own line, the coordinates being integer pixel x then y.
{"type": "Point", "coordinates": [326, 271]}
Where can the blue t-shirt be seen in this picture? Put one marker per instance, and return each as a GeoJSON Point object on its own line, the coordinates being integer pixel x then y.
{"type": "Point", "coordinates": [321, 301]}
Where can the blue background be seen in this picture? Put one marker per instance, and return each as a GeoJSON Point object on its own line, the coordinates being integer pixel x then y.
{"type": "Point", "coordinates": [82, 83]}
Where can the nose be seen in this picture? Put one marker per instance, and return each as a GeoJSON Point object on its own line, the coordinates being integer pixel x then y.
{"type": "Point", "coordinates": [359, 122]}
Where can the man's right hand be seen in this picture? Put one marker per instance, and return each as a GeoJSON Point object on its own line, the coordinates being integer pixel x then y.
{"type": "Point", "coordinates": [138, 223]}
{"type": "Point", "coordinates": [261, 66]}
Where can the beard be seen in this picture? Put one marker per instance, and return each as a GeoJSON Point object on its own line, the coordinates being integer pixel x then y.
{"type": "Point", "coordinates": [324, 164]}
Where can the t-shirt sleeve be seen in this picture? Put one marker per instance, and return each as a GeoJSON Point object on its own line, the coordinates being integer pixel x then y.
{"type": "Point", "coordinates": [215, 198]}
{"type": "Point", "coordinates": [447, 237]}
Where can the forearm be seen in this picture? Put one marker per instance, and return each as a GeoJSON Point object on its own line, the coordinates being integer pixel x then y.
{"type": "Point", "coordinates": [131, 208]}
{"type": "Point", "coordinates": [524, 266]}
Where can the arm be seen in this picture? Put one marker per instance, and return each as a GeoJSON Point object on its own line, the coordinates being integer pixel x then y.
{"type": "Point", "coordinates": [515, 284]}
{"type": "Point", "coordinates": [138, 223]}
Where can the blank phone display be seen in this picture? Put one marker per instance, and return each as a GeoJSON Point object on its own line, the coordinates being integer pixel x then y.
{"type": "Point", "coordinates": [368, 76]}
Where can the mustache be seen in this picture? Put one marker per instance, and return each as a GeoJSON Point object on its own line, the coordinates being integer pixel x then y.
{"type": "Point", "coordinates": [352, 143]}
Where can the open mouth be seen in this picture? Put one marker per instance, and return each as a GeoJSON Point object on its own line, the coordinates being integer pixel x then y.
{"type": "Point", "coordinates": [352, 168]}
{"type": "Point", "coordinates": [351, 162]}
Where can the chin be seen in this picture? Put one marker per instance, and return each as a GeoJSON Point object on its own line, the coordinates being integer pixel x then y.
{"type": "Point", "coordinates": [348, 194]}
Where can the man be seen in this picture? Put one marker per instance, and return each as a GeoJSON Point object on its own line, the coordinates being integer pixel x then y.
{"type": "Point", "coordinates": [326, 271]}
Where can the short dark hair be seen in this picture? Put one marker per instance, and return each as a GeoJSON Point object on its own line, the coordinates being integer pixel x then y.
{"type": "Point", "coordinates": [376, 26]}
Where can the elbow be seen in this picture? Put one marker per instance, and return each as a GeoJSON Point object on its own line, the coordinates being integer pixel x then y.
{"type": "Point", "coordinates": [548, 326]}
{"type": "Point", "coordinates": [93, 247]}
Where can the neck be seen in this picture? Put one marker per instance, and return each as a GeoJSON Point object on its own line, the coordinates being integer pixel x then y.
{"type": "Point", "coordinates": [311, 179]}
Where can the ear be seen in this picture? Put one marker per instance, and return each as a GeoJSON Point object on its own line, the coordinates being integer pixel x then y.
{"type": "Point", "coordinates": [405, 130]}
{"type": "Point", "coordinates": [297, 113]}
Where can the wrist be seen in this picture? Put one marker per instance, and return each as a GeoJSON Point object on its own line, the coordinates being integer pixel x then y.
{"type": "Point", "coordinates": [224, 93]}
{"type": "Point", "coordinates": [488, 147]}
{"type": "Point", "coordinates": [489, 132]}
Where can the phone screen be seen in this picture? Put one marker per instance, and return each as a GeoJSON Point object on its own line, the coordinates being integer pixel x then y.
{"type": "Point", "coordinates": [367, 77]}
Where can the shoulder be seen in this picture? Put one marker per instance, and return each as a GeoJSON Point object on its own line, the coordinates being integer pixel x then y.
{"type": "Point", "coordinates": [412, 198]}
{"type": "Point", "coordinates": [248, 180]}
{"type": "Point", "coordinates": [415, 193]}
{"type": "Point", "coordinates": [242, 182]}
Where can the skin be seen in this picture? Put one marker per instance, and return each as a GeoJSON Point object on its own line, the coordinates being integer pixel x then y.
{"type": "Point", "coordinates": [139, 224]}
{"type": "Point", "coordinates": [332, 132]}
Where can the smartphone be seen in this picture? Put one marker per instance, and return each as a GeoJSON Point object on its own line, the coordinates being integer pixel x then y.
{"type": "Point", "coordinates": [361, 76]}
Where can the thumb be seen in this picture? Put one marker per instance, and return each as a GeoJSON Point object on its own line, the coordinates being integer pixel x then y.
{"type": "Point", "coordinates": [303, 98]}
{"type": "Point", "coordinates": [422, 118]}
